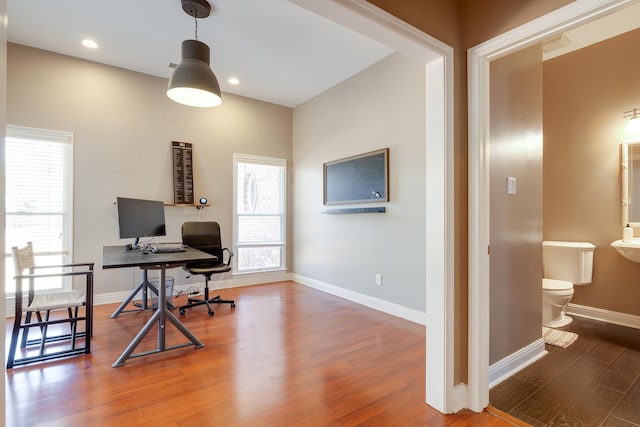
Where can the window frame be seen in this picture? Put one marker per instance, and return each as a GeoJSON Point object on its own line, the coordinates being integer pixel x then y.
{"type": "Point", "coordinates": [268, 161]}
{"type": "Point", "coordinates": [51, 136]}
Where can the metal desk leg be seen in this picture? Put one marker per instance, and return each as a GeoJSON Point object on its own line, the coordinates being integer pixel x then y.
{"type": "Point", "coordinates": [160, 316]}
{"type": "Point", "coordinates": [144, 286]}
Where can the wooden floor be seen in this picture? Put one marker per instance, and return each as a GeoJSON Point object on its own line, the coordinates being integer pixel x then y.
{"type": "Point", "coordinates": [593, 382]}
{"type": "Point", "coordinates": [287, 355]}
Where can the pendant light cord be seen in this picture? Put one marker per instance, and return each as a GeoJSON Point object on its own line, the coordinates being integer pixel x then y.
{"type": "Point", "coordinates": [195, 17]}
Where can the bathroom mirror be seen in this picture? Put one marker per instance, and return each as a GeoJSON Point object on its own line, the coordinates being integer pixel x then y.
{"type": "Point", "coordinates": [631, 184]}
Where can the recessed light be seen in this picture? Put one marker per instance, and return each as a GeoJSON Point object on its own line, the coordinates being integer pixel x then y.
{"type": "Point", "coordinates": [90, 44]}
{"type": "Point", "coordinates": [233, 81]}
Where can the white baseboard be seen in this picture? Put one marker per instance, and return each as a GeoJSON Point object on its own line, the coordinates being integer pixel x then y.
{"type": "Point", "coordinates": [460, 393]}
{"type": "Point", "coordinates": [366, 300]}
{"type": "Point", "coordinates": [623, 319]}
{"type": "Point", "coordinates": [235, 282]}
{"type": "Point", "coordinates": [515, 362]}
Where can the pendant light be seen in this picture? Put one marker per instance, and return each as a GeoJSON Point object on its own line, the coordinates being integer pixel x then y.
{"type": "Point", "coordinates": [193, 82]}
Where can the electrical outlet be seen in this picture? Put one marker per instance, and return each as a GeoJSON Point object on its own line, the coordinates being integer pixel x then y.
{"type": "Point", "coordinates": [378, 279]}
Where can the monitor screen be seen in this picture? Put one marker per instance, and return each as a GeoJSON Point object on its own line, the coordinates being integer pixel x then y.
{"type": "Point", "coordinates": [140, 218]}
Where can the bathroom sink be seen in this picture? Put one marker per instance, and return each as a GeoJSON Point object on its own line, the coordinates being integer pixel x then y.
{"type": "Point", "coordinates": [630, 250]}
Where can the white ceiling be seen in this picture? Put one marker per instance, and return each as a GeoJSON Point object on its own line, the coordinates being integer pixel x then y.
{"type": "Point", "coordinates": [601, 29]}
{"type": "Point", "coordinates": [280, 52]}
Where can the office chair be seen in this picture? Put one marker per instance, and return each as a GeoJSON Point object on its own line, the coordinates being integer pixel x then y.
{"type": "Point", "coordinates": [205, 236]}
{"type": "Point", "coordinates": [46, 301]}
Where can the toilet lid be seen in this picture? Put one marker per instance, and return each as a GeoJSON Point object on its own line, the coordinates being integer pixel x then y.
{"type": "Point", "coordinates": [556, 285]}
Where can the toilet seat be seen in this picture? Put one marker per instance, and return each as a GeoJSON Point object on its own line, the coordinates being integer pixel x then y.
{"type": "Point", "coordinates": [556, 285]}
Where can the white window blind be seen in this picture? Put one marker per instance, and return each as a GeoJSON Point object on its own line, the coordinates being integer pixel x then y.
{"type": "Point", "coordinates": [38, 197]}
{"type": "Point", "coordinates": [259, 213]}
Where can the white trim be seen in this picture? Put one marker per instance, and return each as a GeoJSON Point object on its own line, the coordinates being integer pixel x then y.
{"type": "Point", "coordinates": [479, 57]}
{"type": "Point", "coordinates": [373, 22]}
{"type": "Point", "coordinates": [396, 310]}
{"type": "Point", "coordinates": [516, 362]}
{"type": "Point", "coordinates": [614, 317]}
{"type": "Point", "coordinates": [459, 401]}
{"type": "Point", "coordinates": [268, 161]}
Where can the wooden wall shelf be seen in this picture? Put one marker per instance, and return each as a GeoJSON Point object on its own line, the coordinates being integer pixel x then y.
{"type": "Point", "coordinates": [186, 205]}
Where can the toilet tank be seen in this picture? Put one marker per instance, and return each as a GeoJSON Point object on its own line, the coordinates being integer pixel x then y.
{"type": "Point", "coordinates": [570, 261]}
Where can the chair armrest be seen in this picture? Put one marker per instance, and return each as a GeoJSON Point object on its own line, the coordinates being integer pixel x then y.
{"type": "Point", "coordinates": [229, 255]}
{"type": "Point", "coordinates": [68, 273]}
{"type": "Point", "coordinates": [81, 264]}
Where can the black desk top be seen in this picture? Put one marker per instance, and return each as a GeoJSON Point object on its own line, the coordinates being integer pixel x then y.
{"type": "Point", "coordinates": [116, 257]}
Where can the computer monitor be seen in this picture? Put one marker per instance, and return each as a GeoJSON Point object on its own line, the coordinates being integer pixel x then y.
{"type": "Point", "coordinates": [140, 218]}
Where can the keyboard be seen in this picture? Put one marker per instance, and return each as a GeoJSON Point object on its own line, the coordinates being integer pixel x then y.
{"type": "Point", "coordinates": [164, 248]}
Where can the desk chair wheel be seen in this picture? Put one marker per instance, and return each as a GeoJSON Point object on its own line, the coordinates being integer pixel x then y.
{"type": "Point", "coordinates": [182, 311]}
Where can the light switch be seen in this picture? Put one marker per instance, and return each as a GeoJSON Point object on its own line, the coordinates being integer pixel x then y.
{"type": "Point", "coordinates": [511, 185]}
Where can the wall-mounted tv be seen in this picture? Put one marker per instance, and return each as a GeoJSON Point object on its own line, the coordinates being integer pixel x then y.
{"type": "Point", "coordinates": [140, 218]}
{"type": "Point", "coordinates": [357, 179]}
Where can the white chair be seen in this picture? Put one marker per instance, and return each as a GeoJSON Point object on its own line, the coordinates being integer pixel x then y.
{"type": "Point", "coordinates": [46, 301]}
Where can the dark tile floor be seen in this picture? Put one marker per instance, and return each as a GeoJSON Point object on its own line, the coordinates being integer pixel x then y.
{"type": "Point", "coordinates": [594, 382]}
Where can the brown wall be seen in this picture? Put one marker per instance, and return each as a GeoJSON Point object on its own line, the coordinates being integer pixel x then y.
{"type": "Point", "coordinates": [515, 150]}
{"type": "Point", "coordinates": [483, 20]}
{"type": "Point", "coordinates": [585, 94]}
{"type": "Point", "coordinates": [463, 24]}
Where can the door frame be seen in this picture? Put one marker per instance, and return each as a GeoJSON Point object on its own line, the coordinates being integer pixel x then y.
{"type": "Point", "coordinates": [478, 70]}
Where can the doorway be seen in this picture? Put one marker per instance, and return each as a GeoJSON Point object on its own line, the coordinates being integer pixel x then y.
{"type": "Point", "coordinates": [480, 58]}
{"type": "Point", "coordinates": [370, 21]}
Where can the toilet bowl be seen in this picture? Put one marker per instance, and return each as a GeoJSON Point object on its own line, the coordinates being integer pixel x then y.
{"type": "Point", "coordinates": [556, 295]}
{"type": "Point", "coordinates": [564, 264]}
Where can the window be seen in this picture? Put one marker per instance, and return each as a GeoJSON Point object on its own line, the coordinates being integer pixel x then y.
{"type": "Point", "coordinates": [259, 213]}
{"type": "Point", "coordinates": [38, 198]}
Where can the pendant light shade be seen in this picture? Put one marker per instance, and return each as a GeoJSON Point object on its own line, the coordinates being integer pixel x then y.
{"type": "Point", "coordinates": [192, 82]}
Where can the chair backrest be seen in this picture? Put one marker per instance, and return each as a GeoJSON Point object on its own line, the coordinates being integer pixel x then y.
{"type": "Point", "coordinates": [23, 258]}
{"type": "Point", "coordinates": [204, 236]}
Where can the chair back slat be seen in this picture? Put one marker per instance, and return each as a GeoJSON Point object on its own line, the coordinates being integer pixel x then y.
{"type": "Point", "coordinates": [23, 258]}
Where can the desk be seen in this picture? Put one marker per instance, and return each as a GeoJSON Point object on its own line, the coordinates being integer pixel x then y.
{"type": "Point", "coordinates": [116, 257]}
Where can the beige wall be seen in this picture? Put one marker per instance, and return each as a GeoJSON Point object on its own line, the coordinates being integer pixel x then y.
{"type": "Point", "coordinates": [515, 150]}
{"type": "Point", "coordinates": [585, 94]}
{"type": "Point", "coordinates": [381, 107]}
{"type": "Point", "coordinates": [123, 125]}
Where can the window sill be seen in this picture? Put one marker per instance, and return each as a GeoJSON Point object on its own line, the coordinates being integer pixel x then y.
{"type": "Point", "coordinates": [252, 272]}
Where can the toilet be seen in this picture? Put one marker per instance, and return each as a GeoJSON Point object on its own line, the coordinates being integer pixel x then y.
{"type": "Point", "coordinates": [564, 264]}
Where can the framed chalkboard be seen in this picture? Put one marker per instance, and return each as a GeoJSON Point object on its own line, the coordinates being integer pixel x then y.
{"type": "Point", "coordinates": [358, 179]}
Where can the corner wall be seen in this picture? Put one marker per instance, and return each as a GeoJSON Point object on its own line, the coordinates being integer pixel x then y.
{"type": "Point", "coordinates": [383, 106]}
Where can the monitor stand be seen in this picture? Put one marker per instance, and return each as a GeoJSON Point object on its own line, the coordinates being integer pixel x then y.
{"type": "Point", "coordinates": [132, 246]}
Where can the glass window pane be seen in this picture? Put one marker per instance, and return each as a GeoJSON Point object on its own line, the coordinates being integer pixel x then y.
{"type": "Point", "coordinates": [259, 229]}
{"type": "Point", "coordinates": [259, 212]}
{"type": "Point", "coordinates": [259, 258]}
{"type": "Point", "coordinates": [38, 190]}
{"type": "Point", "coordinates": [259, 189]}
